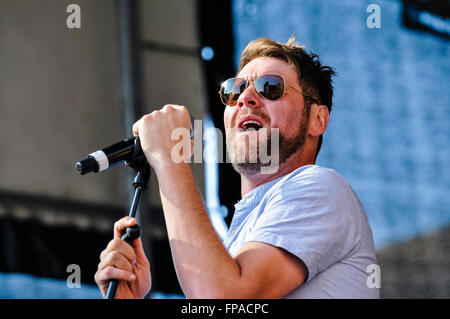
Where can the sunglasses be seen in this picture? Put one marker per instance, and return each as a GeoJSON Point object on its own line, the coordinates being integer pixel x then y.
{"type": "Point", "coordinates": [269, 86]}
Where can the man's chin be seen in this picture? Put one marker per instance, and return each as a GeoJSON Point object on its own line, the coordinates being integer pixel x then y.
{"type": "Point", "coordinates": [247, 169]}
{"type": "Point", "coordinates": [246, 159]}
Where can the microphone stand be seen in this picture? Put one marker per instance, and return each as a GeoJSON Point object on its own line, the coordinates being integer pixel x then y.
{"type": "Point", "coordinates": [140, 165]}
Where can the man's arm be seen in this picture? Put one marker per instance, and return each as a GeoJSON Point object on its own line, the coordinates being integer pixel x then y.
{"type": "Point", "coordinates": [204, 267]}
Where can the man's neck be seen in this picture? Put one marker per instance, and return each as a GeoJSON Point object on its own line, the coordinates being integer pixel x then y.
{"type": "Point", "coordinates": [250, 182]}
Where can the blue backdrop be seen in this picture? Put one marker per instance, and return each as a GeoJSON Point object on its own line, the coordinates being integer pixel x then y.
{"type": "Point", "coordinates": [389, 128]}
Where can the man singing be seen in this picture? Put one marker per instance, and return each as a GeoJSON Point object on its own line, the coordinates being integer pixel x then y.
{"type": "Point", "coordinates": [299, 230]}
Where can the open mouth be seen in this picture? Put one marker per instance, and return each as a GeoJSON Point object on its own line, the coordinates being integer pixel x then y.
{"type": "Point", "coordinates": [250, 125]}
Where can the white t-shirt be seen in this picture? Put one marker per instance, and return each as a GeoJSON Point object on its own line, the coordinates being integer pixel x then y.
{"type": "Point", "coordinates": [315, 215]}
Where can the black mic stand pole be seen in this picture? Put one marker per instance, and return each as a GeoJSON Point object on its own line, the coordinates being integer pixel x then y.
{"type": "Point", "coordinates": [140, 183]}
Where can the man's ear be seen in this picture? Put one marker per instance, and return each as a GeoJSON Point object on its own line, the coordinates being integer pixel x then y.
{"type": "Point", "coordinates": [318, 119]}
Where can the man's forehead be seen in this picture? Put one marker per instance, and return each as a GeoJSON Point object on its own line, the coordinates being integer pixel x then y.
{"type": "Point", "coordinates": [266, 65]}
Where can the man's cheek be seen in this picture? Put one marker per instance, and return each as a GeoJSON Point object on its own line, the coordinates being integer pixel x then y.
{"type": "Point", "coordinates": [227, 117]}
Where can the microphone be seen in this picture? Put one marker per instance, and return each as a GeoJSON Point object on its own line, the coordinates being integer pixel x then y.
{"type": "Point", "coordinates": [123, 151]}
{"type": "Point", "coordinates": [108, 156]}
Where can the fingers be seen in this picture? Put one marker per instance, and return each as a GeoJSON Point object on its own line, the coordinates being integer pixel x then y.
{"type": "Point", "coordinates": [135, 130]}
{"type": "Point", "coordinates": [123, 262]}
{"type": "Point", "coordinates": [132, 252]}
{"type": "Point", "coordinates": [139, 251]}
{"type": "Point", "coordinates": [121, 225]}
{"type": "Point", "coordinates": [110, 272]}
{"type": "Point", "coordinates": [121, 247]}
{"type": "Point", "coordinates": [119, 253]}
{"type": "Point", "coordinates": [116, 262]}
{"type": "Point", "coordinates": [116, 259]}
{"type": "Point", "coordinates": [168, 108]}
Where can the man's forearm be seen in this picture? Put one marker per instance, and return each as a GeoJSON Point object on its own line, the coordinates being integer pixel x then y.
{"type": "Point", "coordinates": [204, 267]}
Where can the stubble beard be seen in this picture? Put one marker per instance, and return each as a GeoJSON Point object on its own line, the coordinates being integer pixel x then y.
{"type": "Point", "coordinates": [287, 147]}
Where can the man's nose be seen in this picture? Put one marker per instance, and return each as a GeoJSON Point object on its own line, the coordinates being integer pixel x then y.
{"type": "Point", "coordinates": [249, 97]}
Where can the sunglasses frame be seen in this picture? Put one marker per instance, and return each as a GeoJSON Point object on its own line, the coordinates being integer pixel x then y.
{"type": "Point", "coordinates": [285, 85]}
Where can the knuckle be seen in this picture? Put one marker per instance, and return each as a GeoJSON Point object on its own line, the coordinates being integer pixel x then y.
{"type": "Point", "coordinates": [128, 267]}
{"type": "Point", "coordinates": [127, 251]}
{"type": "Point", "coordinates": [120, 224]}
{"type": "Point", "coordinates": [109, 271]}
{"type": "Point", "coordinates": [146, 119]}
{"type": "Point", "coordinates": [102, 254]}
{"type": "Point", "coordinates": [99, 275]}
{"type": "Point", "coordinates": [131, 254]}
{"type": "Point", "coordinates": [115, 244]}
{"type": "Point", "coordinates": [113, 257]}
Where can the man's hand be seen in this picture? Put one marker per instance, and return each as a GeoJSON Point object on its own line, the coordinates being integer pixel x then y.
{"type": "Point", "coordinates": [159, 133]}
{"type": "Point", "coordinates": [124, 262]}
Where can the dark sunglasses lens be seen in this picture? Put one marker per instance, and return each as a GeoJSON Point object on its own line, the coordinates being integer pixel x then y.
{"type": "Point", "coordinates": [270, 86]}
{"type": "Point", "coordinates": [231, 89]}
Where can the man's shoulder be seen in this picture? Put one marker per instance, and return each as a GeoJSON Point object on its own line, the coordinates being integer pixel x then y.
{"type": "Point", "coordinates": [314, 175]}
{"type": "Point", "coordinates": [315, 183]}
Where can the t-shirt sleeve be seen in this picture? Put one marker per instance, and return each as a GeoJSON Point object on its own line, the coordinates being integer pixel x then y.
{"type": "Point", "coordinates": [308, 215]}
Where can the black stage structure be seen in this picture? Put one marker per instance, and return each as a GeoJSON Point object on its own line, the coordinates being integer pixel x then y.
{"type": "Point", "coordinates": [29, 245]}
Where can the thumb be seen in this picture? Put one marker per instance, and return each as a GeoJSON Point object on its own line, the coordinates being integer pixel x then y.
{"type": "Point", "coordinates": [122, 224]}
{"type": "Point", "coordinates": [139, 250]}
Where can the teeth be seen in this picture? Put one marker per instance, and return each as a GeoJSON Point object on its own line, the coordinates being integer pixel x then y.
{"type": "Point", "coordinates": [250, 122]}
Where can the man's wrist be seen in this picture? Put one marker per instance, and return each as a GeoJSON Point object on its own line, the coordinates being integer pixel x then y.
{"type": "Point", "coordinates": [168, 168]}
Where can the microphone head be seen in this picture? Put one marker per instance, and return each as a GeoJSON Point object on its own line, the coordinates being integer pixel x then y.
{"type": "Point", "coordinates": [87, 165]}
